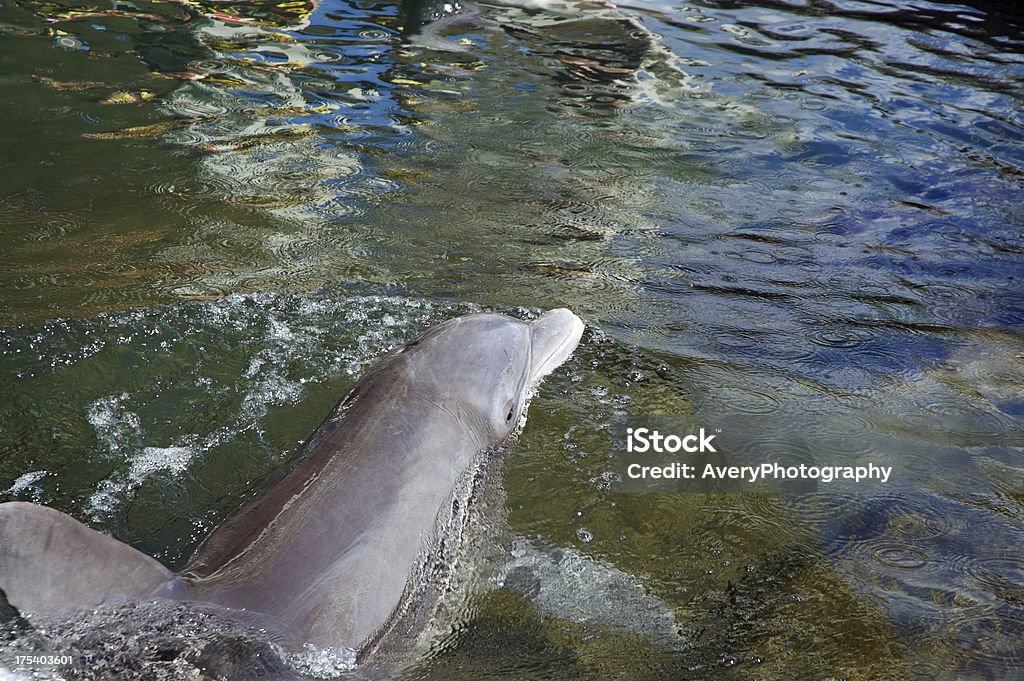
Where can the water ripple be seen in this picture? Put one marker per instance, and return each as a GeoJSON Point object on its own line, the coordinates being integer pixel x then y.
{"type": "Point", "coordinates": [800, 217]}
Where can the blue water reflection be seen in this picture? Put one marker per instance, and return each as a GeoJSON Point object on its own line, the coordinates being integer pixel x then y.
{"type": "Point", "coordinates": [798, 221]}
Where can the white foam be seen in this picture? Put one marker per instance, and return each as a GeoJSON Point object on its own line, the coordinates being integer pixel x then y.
{"type": "Point", "coordinates": [115, 426]}
{"type": "Point", "coordinates": [121, 431]}
{"type": "Point", "coordinates": [323, 663]}
{"type": "Point", "coordinates": [152, 459]}
{"type": "Point", "coordinates": [23, 483]}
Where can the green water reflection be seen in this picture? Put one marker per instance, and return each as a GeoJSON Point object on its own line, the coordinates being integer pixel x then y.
{"type": "Point", "coordinates": [801, 227]}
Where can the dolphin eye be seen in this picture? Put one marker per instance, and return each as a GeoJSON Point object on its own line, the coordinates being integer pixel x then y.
{"type": "Point", "coordinates": [511, 413]}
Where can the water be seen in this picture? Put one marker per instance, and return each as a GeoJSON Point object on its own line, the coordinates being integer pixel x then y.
{"type": "Point", "coordinates": [799, 223]}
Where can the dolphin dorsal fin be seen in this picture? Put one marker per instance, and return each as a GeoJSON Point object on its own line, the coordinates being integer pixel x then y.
{"type": "Point", "coordinates": [51, 564]}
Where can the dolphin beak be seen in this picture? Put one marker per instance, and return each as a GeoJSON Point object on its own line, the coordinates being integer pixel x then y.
{"type": "Point", "coordinates": [555, 334]}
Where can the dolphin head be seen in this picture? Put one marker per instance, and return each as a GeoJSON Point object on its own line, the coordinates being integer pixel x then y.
{"type": "Point", "coordinates": [483, 367]}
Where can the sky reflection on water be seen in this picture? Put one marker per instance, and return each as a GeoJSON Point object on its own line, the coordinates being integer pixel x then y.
{"type": "Point", "coordinates": [798, 222]}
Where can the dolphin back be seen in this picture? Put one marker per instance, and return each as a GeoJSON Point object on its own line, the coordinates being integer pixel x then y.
{"type": "Point", "coordinates": [51, 564]}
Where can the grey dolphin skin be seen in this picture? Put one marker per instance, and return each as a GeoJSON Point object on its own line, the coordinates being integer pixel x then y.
{"type": "Point", "coordinates": [330, 553]}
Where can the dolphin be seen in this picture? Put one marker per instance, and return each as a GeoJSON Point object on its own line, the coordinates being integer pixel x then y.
{"type": "Point", "coordinates": [334, 552]}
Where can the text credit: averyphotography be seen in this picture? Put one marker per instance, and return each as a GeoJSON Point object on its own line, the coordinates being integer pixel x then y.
{"type": "Point", "coordinates": [676, 454]}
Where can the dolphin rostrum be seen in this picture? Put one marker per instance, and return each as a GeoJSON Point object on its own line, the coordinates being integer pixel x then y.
{"type": "Point", "coordinates": [331, 553]}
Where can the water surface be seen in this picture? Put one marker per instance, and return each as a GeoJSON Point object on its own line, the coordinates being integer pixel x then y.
{"type": "Point", "coordinates": [796, 222]}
